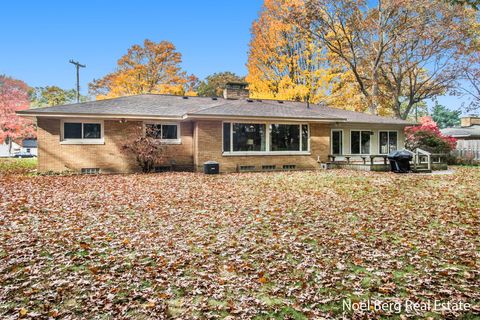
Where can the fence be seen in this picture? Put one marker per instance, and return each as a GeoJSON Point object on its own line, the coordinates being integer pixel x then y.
{"type": "Point", "coordinates": [468, 149]}
{"type": "Point", "coordinates": [467, 153]}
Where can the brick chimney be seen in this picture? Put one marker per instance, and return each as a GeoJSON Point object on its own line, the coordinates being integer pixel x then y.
{"type": "Point", "coordinates": [470, 121]}
{"type": "Point", "coordinates": [236, 90]}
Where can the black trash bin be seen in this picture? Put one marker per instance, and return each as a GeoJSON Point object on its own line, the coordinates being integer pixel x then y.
{"type": "Point", "coordinates": [211, 167]}
{"type": "Point", "coordinates": [400, 161]}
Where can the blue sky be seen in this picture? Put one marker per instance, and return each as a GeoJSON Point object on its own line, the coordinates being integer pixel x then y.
{"type": "Point", "coordinates": [38, 38]}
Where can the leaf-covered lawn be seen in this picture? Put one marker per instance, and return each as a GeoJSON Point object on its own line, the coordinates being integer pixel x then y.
{"type": "Point", "coordinates": [261, 245]}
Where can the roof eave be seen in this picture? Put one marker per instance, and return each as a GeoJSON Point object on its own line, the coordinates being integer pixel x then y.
{"type": "Point", "coordinates": [263, 118]}
{"type": "Point", "coordinates": [96, 116]}
{"type": "Point", "coordinates": [389, 123]}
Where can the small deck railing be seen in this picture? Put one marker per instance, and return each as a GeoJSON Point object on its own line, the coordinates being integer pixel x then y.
{"type": "Point", "coordinates": [348, 157]}
{"type": "Point", "coordinates": [420, 157]}
{"type": "Point", "coordinates": [422, 160]}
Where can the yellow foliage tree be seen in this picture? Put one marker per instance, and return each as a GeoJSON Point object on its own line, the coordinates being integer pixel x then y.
{"type": "Point", "coordinates": [283, 62]}
{"type": "Point", "coordinates": [151, 68]}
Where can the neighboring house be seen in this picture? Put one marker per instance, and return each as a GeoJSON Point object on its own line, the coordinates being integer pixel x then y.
{"type": "Point", "coordinates": [30, 146]}
{"type": "Point", "coordinates": [467, 135]}
{"type": "Point", "coordinates": [239, 133]}
{"type": "Point", "coordinates": [9, 148]}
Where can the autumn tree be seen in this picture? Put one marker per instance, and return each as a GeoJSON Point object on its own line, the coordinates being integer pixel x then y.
{"type": "Point", "coordinates": [53, 96]}
{"type": "Point", "coordinates": [13, 97]}
{"type": "Point", "coordinates": [284, 62]}
{"type": "Point", "coordinates": [214, 84]}
{"type": "Point", "coordinates": [399, 53]}
{"type": "Point", "coordinates": [191, 85]}
{"type": "Point", "coordinates": [151, 68]}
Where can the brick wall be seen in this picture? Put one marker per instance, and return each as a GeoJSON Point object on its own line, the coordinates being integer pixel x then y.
{"type": "Point", "coordinates": [53, 156]}
{"type": "Point", "coordinates": [469, 121]}
{"type": "Point", "coordinates": [208, 142]}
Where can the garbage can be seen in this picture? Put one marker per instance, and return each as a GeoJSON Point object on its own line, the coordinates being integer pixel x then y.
{"type": "Point", "coordinates": [211, 167]}
{"type": "Point", "coordinates": [400, 161]}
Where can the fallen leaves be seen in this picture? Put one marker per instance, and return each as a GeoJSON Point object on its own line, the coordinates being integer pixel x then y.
{"type": "Point", "coordinates": [22, 312]}
{"type": "Point", "coordinates": [284, 245]}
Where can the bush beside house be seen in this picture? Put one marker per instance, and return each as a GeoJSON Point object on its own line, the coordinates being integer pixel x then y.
{"type": "Point", "coordinates": [427, 136]}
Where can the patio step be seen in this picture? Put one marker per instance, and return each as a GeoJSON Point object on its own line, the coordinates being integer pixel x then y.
{"type": "Point", "coordinates": [422, 170]}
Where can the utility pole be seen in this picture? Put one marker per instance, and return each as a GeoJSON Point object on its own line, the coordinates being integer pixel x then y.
{"type": "Point", "coordinates": [78, 66]}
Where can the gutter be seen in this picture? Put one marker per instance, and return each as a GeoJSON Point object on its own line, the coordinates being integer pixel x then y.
{"type": "Point", "coordinates": [185, 117]}
{"type": "Point", "coordinates": [257, 118]}
{"type": "Point", "coordinates": [97, 116]}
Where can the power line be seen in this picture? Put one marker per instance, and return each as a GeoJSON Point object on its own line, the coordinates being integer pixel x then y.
{"type": "Point", "coordinates": [78, 66]}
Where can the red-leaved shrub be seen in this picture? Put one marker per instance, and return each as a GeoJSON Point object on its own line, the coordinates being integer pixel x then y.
{"type": "Point", "coordinates": [428, 137]}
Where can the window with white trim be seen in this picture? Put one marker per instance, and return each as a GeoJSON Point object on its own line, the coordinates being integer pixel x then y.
{"type": "Point", "coordinates": [265, 137]}
{"type": "Point", "coordinates": [337, 142]}
{"type": "Point", "coordinates": [168, 132]}
{"type": "Point", "coordinates": [387, 141]}
{"type": "Point", "coordinates": [82, 131]}
{"type": "Point", "coordinates": [360, 142]}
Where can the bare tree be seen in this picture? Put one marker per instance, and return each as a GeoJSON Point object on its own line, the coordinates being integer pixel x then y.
{"type": "Point", "coordinates": [469, 82]}
{"type": "Point", "coordinates": [400, 52]}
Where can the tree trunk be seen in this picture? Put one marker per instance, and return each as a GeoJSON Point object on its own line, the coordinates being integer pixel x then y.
{"type": "Point", "coordinates": [9, 146]}
{"type": "Point", "coordinates": [397, 108]}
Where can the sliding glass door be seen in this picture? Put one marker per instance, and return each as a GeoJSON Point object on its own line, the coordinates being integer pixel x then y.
{"type": "Point", "coordinates": [360, 142]}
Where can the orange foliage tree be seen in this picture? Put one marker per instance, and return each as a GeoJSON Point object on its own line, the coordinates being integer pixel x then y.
{"type": "Point", "coordinates": [386, 56]}
{"type": "Point", "coordinates": [283, 62]}
{"type": "Point", "coordinates": [151, 68]}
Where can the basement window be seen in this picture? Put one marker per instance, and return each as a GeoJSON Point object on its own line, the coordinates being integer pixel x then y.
{"type": "Point", "coordinates": [246, 168]}
{"type": "Point", "coordinates": [90, 170]}
{"type": "Point", "coordinates": [268, 167]}
{"type": "Point", "coordinates": [289, 167]}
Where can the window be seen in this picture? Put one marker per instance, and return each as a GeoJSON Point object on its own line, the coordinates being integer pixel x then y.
{"type": "Point", "coordinates": [304, 137]}
{"type": "Point", "coordinates": [72, 130]}
{"type": "Point", "coordinates": [248, 137]}
{"type": "Point", "coordinates": [226, 137]}
{"type": "Point", "coordinates": [360, 142]}
{"type": "Point", "coordinates": [90, 170]}
{"type": "Point", "coordinates": [387, 141]}
{"type": "Point", "coordinates": [91, 130]}
{"type": "Point", "coordinates": [246, 168]}
{"type": "Point", "coordinates": [265, 137]}
{"type": "Point", "coordinates": [284, 137]}
{"type": "Point", "coordinates": [167, 132]}
{"type": "Point", "coordinates": [88, 131]}
{"type": "Point", "coordinates": [268, 167]}
{"type": "Point", "coordinates": [337, 142]}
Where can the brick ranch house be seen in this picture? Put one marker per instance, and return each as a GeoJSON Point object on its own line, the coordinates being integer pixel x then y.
{"type": "Point", "coordinates": [240, 133]}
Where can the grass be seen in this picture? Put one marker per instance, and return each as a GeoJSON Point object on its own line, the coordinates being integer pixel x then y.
{"type": "Point", "coordinates": [17, 165]}
{"type": "Point", "coordinates": [279, 245]}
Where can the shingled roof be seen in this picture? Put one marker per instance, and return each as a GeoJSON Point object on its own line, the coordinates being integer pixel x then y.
{"type": "Point", "coordinates": [178, 107]}
{"type": "Point", "coordinates": [463, 132]}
